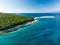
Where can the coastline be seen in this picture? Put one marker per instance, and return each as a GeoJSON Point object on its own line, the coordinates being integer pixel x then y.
{"type": "Point", "coordinates": [18, 27]}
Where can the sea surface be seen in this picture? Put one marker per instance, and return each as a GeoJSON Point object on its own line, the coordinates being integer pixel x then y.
{"type": "Point", "coordinates": [46, 31]}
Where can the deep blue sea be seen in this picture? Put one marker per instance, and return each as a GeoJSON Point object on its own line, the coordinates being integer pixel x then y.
{"type": "Point", "coordinates": [46, 31]}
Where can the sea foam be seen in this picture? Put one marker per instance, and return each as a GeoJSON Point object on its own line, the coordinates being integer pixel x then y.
{"type": "Point", "coordinates": [45, 17]}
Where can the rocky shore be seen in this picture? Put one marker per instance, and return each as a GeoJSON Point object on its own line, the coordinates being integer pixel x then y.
{"type": "Point", "coordinates": [17, 27]}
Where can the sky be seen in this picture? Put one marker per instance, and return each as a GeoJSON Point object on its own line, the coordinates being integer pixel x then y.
{"type": "Point", "coordinates": [29, 6]}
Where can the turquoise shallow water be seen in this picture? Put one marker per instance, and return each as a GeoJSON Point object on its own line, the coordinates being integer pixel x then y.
{"type": "Point", "coordinates": [44, 32]}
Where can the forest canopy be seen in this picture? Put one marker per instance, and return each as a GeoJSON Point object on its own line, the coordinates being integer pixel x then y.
{"type": "Point", "coordinates": [10, 20]}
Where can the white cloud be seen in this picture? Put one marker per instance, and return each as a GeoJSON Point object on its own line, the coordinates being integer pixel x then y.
{"type": "Point", "coordinates": [8, 7]}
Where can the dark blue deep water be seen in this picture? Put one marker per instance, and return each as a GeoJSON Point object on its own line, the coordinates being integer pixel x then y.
{"type": "Point", "coordinates": [44, 32]}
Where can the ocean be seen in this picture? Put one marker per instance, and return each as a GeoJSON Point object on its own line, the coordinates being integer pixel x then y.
{"type": "Point", "coordinates": [46, 31]}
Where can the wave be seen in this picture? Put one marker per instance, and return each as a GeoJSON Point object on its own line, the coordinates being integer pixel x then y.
{"type": "Point", "coordinates": [45, 17]}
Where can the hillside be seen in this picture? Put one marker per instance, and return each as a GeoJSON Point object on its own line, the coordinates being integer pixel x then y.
{"type": "Point", "coordinates": [11, 20]}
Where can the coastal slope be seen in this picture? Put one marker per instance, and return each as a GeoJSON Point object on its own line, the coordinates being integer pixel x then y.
{"type": "Point", "coordinates": [8, 21]}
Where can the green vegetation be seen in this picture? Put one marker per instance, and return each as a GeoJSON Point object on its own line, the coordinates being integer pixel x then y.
{"type": "Point", "coordinates": [10, 20]}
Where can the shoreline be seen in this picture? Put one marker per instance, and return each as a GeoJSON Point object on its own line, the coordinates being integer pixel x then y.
{"type": "Point", "coordinates": [18, 27]}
